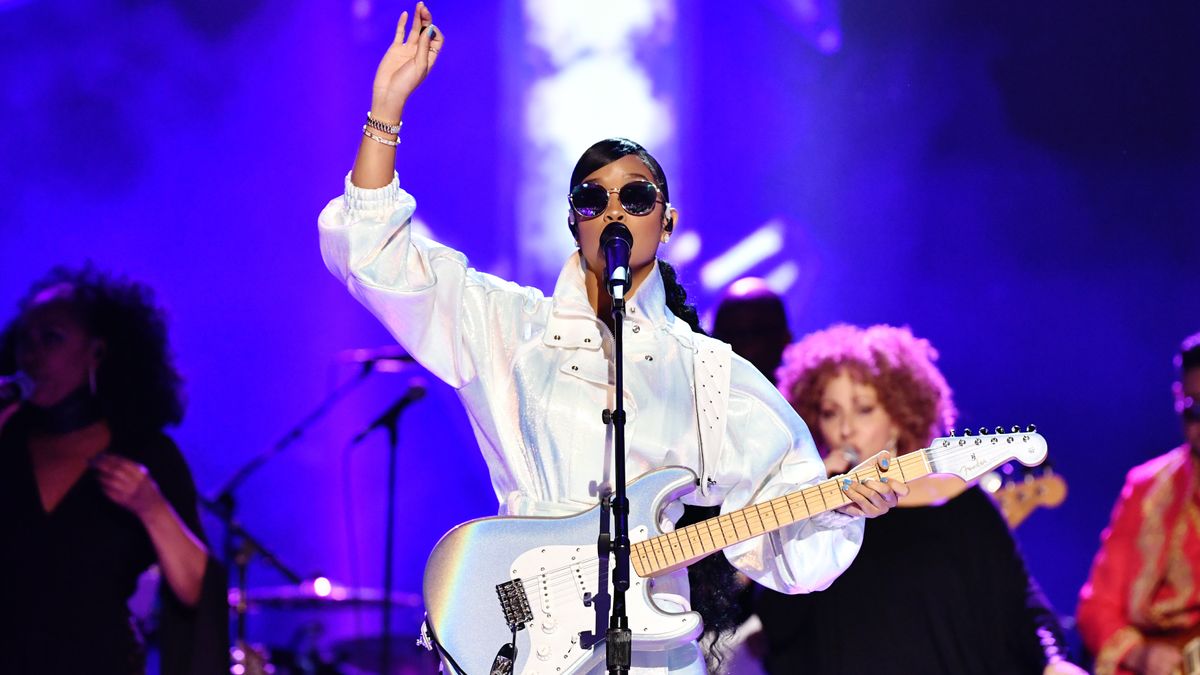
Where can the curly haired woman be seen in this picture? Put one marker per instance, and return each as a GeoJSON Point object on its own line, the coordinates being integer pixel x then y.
{"type": "Point", "coordinates": [948, 590]}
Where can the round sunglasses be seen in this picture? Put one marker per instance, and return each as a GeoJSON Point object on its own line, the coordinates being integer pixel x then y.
{"type": "Point", "coordinates": [637, 198]}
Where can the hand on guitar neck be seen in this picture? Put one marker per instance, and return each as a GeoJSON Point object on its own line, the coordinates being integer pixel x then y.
{"type": "Point", "coordinates": [871, 497]}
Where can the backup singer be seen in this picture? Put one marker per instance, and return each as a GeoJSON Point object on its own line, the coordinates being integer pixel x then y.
{"type": "Point", "coordinates": [533, 371]}
{"type": "Point", "coordinates": [92, 492]}
{"type": "Point", "coordinates": [1145, 580]}
{"type": "Point", "coordinates": [948, 587]}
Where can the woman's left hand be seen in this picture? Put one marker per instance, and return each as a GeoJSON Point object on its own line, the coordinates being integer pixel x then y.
{"type": "Point", "coordinates": [127, 483]}
{"type": "Point", "coordinates": [871, 497]}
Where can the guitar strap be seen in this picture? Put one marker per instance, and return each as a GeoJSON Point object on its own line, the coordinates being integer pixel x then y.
{"type": "Point", "coordinates": [712, 361]}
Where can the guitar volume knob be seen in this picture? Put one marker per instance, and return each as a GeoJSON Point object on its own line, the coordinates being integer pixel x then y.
{"type": "Point", "coordinates": [549, 624]}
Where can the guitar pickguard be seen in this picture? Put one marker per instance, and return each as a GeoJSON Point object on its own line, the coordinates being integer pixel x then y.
{"type": "Point", "coordinates": [561, 580]}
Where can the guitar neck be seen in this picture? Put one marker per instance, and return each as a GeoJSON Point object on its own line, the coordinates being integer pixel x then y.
{"type": "Point", "coordinates": [684, 546]}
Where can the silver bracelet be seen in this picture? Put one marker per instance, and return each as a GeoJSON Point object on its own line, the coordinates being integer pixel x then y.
{"type": "Point", "coordinates": [383, 126]}
{"type": "Point", "coordinates": [379, 139]}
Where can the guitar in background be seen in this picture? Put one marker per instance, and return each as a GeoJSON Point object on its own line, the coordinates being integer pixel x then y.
{"type": "Point", "coordinates": [1022, 490]}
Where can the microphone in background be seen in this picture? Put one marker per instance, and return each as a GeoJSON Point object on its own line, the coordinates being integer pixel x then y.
{"type": "Point", "coordinates": [416, 392]}
{"type": "Point", "coordinates": [15, 387]}
{"type": "Point", "coordinates": [616, 242]}
{"type": "Point", "coordinates": [851, 454]}
{"type": "Point", "coordinates": [388, 359]}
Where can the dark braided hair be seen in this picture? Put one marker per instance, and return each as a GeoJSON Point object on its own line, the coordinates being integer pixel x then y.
{"type": "Point", "coordinates": [137, 385]}
{"type": "Point", "coordinates": [713, 580]}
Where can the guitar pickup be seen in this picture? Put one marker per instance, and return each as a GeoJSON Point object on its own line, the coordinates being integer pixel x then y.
{"type": "Point", "coordinates": [515, 604]}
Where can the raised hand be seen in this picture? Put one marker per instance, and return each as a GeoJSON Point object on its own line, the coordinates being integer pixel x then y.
{"type": "Point", "coordinates": [406, 63]}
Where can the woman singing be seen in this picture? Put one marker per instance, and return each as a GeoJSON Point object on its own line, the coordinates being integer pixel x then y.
{"type": "Point", "coordinates": [92, 491]}
{"type": "Point", "coordinates": [533, 371]}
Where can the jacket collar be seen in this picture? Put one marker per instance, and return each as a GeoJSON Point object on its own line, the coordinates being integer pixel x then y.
{"type": "Point", "coordinates": [574, 325]}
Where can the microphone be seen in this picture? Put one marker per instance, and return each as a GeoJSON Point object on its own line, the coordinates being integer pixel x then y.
{"type": "Point", "coordinates": [415, 392]}
{"type": "Point", "coordinates": [15, 387]}
{"type": "Point", "coordinates": [851, 455]}
{"type": "Point", "coordinates": [373, 355]}
{"type": "Point", "coordinates": [616, 242]}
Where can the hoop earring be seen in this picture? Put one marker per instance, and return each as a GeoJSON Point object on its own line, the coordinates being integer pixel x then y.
{"type": "Point", "coordinates": [92, 379]}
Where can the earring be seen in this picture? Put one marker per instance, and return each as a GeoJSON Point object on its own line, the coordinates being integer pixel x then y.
{"type": "Point", "coordinates": [666, 236]}
{"type": "Point", "coordinates": [92, 379]}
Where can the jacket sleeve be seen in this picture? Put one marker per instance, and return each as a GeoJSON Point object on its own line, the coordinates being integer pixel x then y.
{"type": "Point", "coordinates": [769, 453]}
{"type": "Point", "coordinates": [424, 293]}
{"type": "Point", "coordinates": [1104, 600]}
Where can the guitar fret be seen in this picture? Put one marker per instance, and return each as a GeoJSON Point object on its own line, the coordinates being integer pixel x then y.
{"type": "Point", "coordinates": [677, 543]}
{"type": "Point", "coordinates": [799, 496]}
{"type": "Point", "coordinates": [659, 557]}
{"type": "Point", "coordinates": [791, 517]}
{"type": "Point", "coordinates": [745, 525]}
{"type": "Point", "coordinates": [689, 539]}
{"type": "Point", "coordinates": [715, 528]}
{"type": "Point", "coordinates": [711, 545]}
{"type": "Point", "coordinates": [756, 509]}
{"type": "Point", "coordinates": [771, 521]}
{"type": "Point", "coordinates": [668, 554]}
{"type": "Point", "coordinates": [726, 533]}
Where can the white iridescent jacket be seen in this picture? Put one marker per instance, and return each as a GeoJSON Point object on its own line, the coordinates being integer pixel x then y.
{"type": "Point", "coordinates": [533, 374]}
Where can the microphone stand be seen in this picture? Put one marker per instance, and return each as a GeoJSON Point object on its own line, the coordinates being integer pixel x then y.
{"type": "Point", "coordinates": [224, 505]}
{"type": "Point", "coordinates": [619, 639]}
{"type": "Point", "coordinates": [390, 420]}
{"type": "Point", "coordinates": [240, 555]}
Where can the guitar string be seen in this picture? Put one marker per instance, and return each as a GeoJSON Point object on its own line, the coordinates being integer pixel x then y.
{"type": "Point", "coordinates": [565, 574]}
{"type": "Point", "coordinates": [945, 453]}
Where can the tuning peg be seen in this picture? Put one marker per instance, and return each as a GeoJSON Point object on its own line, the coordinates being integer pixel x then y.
{"type": "Point", "coordinates": [984, 431]}
{"type": "Point", "coordinates": [1030, 428]}
{"type": "Point", "coordinates": [1015, 429]}
{"type": "Point", "coordinates": [999, 430]}
{"type": "Point", "coordinates": [967, 432]}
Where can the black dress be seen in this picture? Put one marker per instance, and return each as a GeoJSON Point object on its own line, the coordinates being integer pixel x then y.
{"type": "Point", "coordinates": [68, 574]}
{"type": "Point", "coordinates": [933, 590]}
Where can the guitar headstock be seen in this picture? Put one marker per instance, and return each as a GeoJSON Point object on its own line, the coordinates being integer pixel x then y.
{"type": "Point", "coordinates": [1019, 493]}
{"type": "Point", "coordinates": [969, 456]}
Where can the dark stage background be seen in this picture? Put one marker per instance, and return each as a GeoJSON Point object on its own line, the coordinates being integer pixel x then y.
{"type": "Point", "coordinates": [1017, 182]}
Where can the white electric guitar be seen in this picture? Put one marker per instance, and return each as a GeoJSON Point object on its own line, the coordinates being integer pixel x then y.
{"type": "Point", "coordinates": [539, 580]}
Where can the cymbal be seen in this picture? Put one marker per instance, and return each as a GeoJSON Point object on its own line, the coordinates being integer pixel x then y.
{"type": "Point", "coordinates": [320, 593]}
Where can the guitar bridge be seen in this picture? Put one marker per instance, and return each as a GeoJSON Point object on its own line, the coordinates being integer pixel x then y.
{"type": "Point", "coordinates": [514, 604]}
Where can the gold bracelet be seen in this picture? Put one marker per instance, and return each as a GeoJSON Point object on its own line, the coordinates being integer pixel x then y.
{"type": "Point", "coordinates": [386, 128]}
{"type": "Point", "coordinates": [379, 139]}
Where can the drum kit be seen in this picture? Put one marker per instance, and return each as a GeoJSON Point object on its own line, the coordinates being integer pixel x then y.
{"type": "Point", "coordinates": [319, 600]}
{"type": "Point", "coordinates": [350, 655]}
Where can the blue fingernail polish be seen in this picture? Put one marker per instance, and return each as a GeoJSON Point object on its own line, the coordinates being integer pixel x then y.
{"type": "Point", "coordinates": [883, 479]}
{"type": "Point", "coordinates": [884, 463]}
{"type": "Point", "coordinates": [846, 482]}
